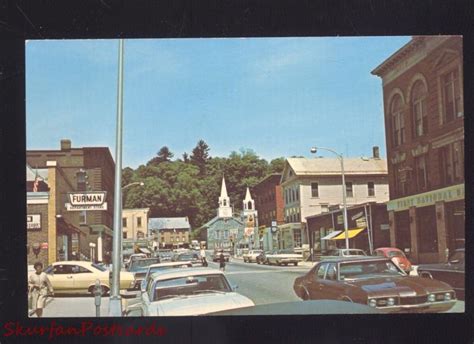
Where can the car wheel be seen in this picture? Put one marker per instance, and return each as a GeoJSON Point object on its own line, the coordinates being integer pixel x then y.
{"type": "Point", "coordinates": [278, 263]}
{"type": "Point", "coordinates": [286, 264]}
{"type": "Point", "coordinates": [295, 263]}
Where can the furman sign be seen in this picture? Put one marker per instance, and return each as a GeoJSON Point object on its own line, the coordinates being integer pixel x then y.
{"type": "Point", "coordinates": [79, 201]}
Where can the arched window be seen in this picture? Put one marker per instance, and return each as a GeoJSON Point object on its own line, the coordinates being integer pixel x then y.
{"type": "Point", "coordinates": [249, 205]}
{"type": "Point", "coordinates": [398, 121]}
{"type": "Point", "coordinates": [420, 118]}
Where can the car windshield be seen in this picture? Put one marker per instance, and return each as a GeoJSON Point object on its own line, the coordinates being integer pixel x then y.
{"type": "Point", "coordinates": [143, 263]}
{"type": "Point", "coordinates": [190, 285]}
{"type": "Point", "coordinates": [395, 254]}
{"type": "Point", "coordinates": [368, 269]}
{"type": "Point", "coordinates": [99, 267]}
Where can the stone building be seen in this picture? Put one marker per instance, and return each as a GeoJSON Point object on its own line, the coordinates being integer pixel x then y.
{"type": "Point", "coordinates": [424, 125]}
{"type": "Point", "coordinates": [172, 232]}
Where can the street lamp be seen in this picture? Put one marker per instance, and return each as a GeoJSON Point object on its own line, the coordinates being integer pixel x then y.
{"type": "Point", "coordinates": [341, 159]}
{"type": "Point", "coordinates": [131, 184]}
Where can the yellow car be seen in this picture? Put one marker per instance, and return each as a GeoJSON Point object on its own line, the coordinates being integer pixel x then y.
{"type": "Point", "coordinates": [80, 276]}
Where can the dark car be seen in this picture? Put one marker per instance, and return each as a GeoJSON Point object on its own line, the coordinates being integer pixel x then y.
{"type": "Point", "coordinates": [377, 282]}
{"type": "Point", "coordinates": [216, 255]}
{"type": "Point", "coordinates": [452, 272]}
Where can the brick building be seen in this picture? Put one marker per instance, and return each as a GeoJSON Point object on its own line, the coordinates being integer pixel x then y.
{"type": "Point", "coordinates": [68, 234]}
{"type": "Point", "coordinates": [269, 203]}
{"type": "Point", "coordinates": [424, 125]}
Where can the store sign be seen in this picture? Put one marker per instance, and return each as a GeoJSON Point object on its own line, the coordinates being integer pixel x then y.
{"type": "Point", "coordinates": [384, 227]}
{"type": "Point", "coordinates": [33, 222]}
{"type": "Point", "coordinates": [79, 201]}
{"type": "Point", "coordinates": [449, 194]}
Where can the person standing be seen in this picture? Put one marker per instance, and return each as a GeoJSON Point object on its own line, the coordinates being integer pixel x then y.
{"type": "Point", "coordinates": [39, 287]}
{"type": "Point", "coordinates": [203, 257]}
{"type": "Point", "coordinates": [222, 261]}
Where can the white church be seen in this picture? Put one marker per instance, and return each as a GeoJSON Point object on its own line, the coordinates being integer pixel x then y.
{"type": "Point", "coordinates": [230, 230]}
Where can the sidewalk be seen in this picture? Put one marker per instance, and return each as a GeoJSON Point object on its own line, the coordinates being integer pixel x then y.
{"type": "Point", "coordinates": [307, 264]}
{"type": "Point", "coordinates": [73, 307]}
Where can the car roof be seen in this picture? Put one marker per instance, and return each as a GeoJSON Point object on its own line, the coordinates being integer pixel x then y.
{"type": "Point", "coordinates": [184, 272]}
{"type": "Point", "coordinates": [169, 264]}
{"type": "Point", "coordinates": [387, 249]}
{"type": "Point", "coordinates": [75, 262]}
{"type": "Point", "coordinates": [353, 259]}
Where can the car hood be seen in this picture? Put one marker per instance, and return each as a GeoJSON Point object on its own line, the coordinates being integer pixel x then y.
{"type": "Point", "coordinates": [201, 304]}
{"type": "Point", "coordinates": [444, 267]}
{"type": "Point", "coordinates": [286, 255]}
{"type": "Point", "coordinates": [401, 286]}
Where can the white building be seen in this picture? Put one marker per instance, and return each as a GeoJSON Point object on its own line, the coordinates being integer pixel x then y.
{"type": "Point", "coordinates": [314, 186]}
{"type": "Point", "coordinates": [135, 223]}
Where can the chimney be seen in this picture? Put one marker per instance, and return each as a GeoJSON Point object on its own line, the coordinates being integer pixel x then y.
{"type": "Point", "coordinates": [376, 152]}
{"type": "Point", "coordinates": [65, 145]}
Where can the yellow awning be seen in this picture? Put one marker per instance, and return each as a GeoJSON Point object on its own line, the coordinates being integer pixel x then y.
{"type": "Point", "coordinates": [351, 233]}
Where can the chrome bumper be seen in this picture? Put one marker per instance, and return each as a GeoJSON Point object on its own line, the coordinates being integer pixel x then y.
{"type": "Point", "coordinates": [427, 307]}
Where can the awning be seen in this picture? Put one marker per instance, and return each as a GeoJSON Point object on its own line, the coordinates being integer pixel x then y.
{"type": "Point", "coordinates": [331, 235]}
{"type": "Point", "coordinates": [350, 233]}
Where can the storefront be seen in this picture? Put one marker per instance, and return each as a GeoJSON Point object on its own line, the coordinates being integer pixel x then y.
{"type": "Point", "coordinates": [289, 235]}
{"type": "Point", "coordinates": [430, 224]}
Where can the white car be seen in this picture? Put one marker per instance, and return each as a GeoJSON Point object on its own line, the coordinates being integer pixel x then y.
{"type": "Point", "coordinates": [188, 291]}
{"type": "Point", "coordinates": [284, 257]}
{"type": "Point", "coordinates": [251, 256]}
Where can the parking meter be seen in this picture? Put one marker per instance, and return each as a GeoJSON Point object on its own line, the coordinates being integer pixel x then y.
{"type": "Point", "coordinates": [97, 297]}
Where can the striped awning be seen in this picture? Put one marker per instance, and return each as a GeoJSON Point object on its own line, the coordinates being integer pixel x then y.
{"type": "Point", "coordinates": [331, 235]}
{"type": "Point", "coordinates": [351, 233]}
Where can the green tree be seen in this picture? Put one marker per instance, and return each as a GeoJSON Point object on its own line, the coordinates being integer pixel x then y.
{"type": "Point", "coordinates": [200, 156]}
{"type": "Point", "coordinates": [163, 155]}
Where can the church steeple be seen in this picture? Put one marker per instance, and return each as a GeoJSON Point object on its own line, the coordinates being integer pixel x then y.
{"type": "Point", "coordinates": [249, 203]}
{"type": "Point", "coordinates": [225, 210]}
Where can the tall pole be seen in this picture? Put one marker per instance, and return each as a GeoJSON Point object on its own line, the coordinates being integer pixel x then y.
{"type": "Point", "coordinates": [344, 202]}
{"type": "Point", "coordinates": [115, 304]}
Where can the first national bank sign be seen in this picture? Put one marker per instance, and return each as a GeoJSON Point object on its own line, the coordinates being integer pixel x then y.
{"type": "Point", "coordinates": [80, 201]}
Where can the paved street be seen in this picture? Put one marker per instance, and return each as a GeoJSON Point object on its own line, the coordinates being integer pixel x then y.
{"type": "Point", "coordinates": [262, 283]}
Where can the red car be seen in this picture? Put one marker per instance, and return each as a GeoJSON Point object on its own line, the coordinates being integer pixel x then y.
{"type": "Point", "coordinates": [397, 256]}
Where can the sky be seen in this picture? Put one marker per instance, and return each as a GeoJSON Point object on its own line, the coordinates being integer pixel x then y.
{"type": "Point", "coordinates": [276, 96]}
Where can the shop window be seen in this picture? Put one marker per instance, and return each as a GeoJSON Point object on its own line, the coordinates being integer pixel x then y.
{"type": "Point", "coordinates": [139, 221]}
{"type": "Point", "coordinates": [398, 122]}
{"type": "Point", "coordinates": [426, 228]}
{"type": "Point", "coordinates": [297, 237]}
{"type": "Point", "coordinates": [421, 176]}
{"type": "Point", "coordinates": [451, 96]}
{"type": "Point", "coordinates": [349, 189]}
{"type": "Point", "coordinates": [420, 118]}
{"type": "Point", "coordinates": [371, 189]}
{"type": "Point", "coordinates": [314, 190]}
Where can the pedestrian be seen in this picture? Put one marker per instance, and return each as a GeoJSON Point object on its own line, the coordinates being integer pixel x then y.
{"type": "Point", "coordinates": [203, 257]}
{"type": "Point", "coordinates": [222, 261]}
{"type": "Point", "coordinates": [39, 288]}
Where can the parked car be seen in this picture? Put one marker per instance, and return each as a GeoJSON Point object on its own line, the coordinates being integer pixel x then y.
{"type": "Point", "coordinates": [142, 264]}
{"type": "Point", "coordinates": [343, 252]}
{"type": "Point", "coordinates": [80, 276]}
{"type": "Point", "coordinates": [165, 255]}
{"type": "Point", "coordinates": [216, 254]}
{"type": "Point", "coordinates": [141, 275]}
{"type": "Point", "coordinates": [397, 256]}
{"type": "Point", "coordinates": [193, 257]}
{"type": "Point", "coordinates": [251, 256]}
{"type": "Point", "coordinates": [452, 272]}
{"type": "Point", "coordinates": [376, 282]}
{"type": "Point", "coordinates": [188, 291]}
{"type": "Point", "coordinates": [262, 257]}
{"type": "Point", "coordinates": [284, 257]}
{"type": "Point", "coordinates": [133, 257]}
